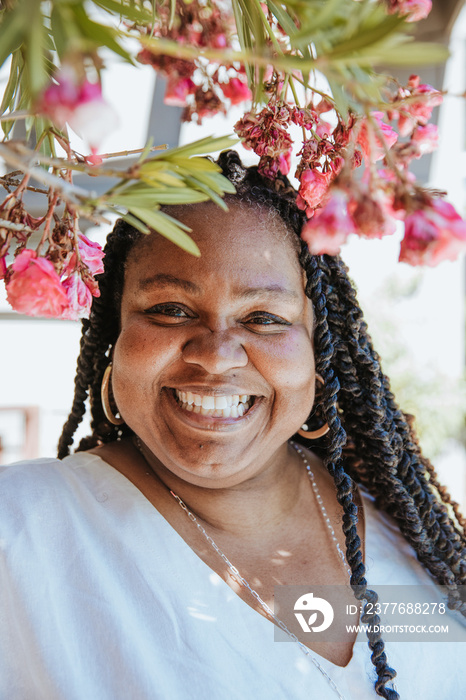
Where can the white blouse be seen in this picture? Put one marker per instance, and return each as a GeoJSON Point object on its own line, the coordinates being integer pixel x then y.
{"type": "Point", "coordinates": [101, 599]}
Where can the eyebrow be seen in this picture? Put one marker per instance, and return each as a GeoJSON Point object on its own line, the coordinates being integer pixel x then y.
{"type": "Point", "coordinates": [165, 280]}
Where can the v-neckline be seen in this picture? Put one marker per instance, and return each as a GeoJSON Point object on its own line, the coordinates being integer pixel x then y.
{"type": "Point", "coordinates": [204, 567]}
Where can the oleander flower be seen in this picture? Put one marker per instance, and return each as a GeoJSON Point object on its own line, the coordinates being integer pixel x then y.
{"type": "Point", "coordinates": [330, 227]}
{"type": "Point", "coordinates": [266, 134]}
{"type": "Point", "coordinates": [370, 216]}
{"type": "Point", "coordinates": [415, 111]}
{"type": "Point", "coordinates": [432, 234]}
{"type": "Point", "coordinates": [177, 90]}
{"type": "Point", "coordinates": [91, 254]}
{"type": "Point", "coordinates": [413, 9]}
{"type": "Point", "coordinates": [79, 298]}
{"type": "Point", "coordinates": [312, 189]}
{"type": "Point", "coordinates": [425, 139]}
{"type": "Point", "coordinates": [80, 104]}
{"type": "Point", "coordinates": [369, 138]}
{"type": "Point", "coordinates": [34, 287]}
{"type": "Point", "coordinates": [236, 91]}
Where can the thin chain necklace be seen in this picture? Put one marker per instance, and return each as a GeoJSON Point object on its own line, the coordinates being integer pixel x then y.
{"type": "Point", "coordinates": [237, 576]}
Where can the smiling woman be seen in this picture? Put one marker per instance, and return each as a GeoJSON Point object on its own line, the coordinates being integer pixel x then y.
{"type": "Point", "coordinates": [149, 564]}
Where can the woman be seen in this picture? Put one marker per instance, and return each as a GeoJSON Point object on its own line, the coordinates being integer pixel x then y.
{"type": "Point", "coordinates": [153, 552]}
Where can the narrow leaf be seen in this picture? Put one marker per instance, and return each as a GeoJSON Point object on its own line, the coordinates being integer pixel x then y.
{"type": "Point", "coordinates": [165, 225]}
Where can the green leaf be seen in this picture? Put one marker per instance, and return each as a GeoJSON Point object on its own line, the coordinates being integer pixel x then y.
{"type": "Point", "coordinates": [166, 226]}
{"type": "Point", "coordinates": [340, 97]}
{"type": "Point", "coordinates": [125, 10]}
{"type": "Point", "coordinates": [282, 17]}
{"type": "Point", "coordinates": [363, 39]}
{"type": "Point", "coordinates": [12, 84]}
{"type": "Point", "coordinates": [34, 55]}
{"type": "Point", "coordinates": [153, 197]}
{"type": "Point", "coordinates": [209, 144]}
{"type": "Point", "coordinates": [130, 219]}
{"type": "Point", "coordinates": [13, 27]}
{"type": "Point", "coordinates": [98, 34]}
{"type": "Point", "coordinates": [210, 193]}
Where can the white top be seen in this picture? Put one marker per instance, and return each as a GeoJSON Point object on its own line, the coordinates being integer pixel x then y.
{"type": "Point", "coordinates": [101, 599]}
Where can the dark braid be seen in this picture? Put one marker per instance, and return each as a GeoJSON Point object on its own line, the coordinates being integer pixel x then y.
{"type": "Point", "coordinates": [370, 440]}
{"type": "Point", "coordinates": [98, 336]}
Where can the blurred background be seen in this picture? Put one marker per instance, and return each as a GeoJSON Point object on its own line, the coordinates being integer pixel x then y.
{"type": "Point", "coordinates": [416, 316]}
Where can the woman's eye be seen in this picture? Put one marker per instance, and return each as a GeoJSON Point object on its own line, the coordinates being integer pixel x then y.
{"type": "Point", "coordinates": [169, 313]}
{"type": "Point", "coordinates": [265, 319]}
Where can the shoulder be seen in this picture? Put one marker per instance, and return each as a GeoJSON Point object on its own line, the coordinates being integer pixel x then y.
{"type": "Point", "coordinates": [42, 475]}
{"type": "Point", "coordinates": [37, 490]}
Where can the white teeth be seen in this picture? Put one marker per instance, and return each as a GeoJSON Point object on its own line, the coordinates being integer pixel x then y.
{"type": "Point", "coordinates": [228, 406]}
{"type": "Point", "coordinates": [208, 402]}
{"type": "Point", "coordinates": [220, 402]}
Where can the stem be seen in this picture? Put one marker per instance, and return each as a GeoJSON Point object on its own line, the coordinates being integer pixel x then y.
{"type": "Point", "coordinates": [15, 227]}
{"type": "Point", "coordinates": [293, 90]}
{"type": "Point", "coordinates": [70, 192]}
{"type": "Point", "coordinates": [48, 220]}
{"type": "Point", "coordinates": [13, 116]}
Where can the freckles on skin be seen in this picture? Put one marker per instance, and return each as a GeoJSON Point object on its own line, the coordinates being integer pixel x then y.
{"type": "Point", "coordinates": [217, 332]}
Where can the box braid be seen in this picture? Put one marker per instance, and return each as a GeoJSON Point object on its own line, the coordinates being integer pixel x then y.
{"type": "Point", "coordinates": [370, 440]}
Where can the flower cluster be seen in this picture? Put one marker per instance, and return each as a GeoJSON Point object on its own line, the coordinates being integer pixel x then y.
{"type": "Point", "coordinates": [201, 87]}
{"type": "Point", "coordinates": [58, 284]}
{"type": "Point", "coordinates": [336, 203]}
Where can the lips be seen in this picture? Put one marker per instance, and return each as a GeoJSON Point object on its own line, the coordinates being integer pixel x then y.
{"type": "Point", "coordinates": [215, 406]}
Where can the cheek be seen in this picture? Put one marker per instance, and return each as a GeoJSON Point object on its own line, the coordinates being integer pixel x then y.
{"type": "Point", "coordinates": [135, 365]}
{"type": "Point", "coordinates": [290, 368]}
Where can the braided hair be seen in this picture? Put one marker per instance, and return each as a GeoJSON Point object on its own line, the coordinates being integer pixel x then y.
{"type": "Point", "coordinates": [370, 440]}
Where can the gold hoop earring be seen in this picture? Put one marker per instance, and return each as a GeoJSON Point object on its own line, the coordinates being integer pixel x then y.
{"type": "Point", "coordinates": [104, 395]}
{"type": "Point", "coordinates": [314, 434]}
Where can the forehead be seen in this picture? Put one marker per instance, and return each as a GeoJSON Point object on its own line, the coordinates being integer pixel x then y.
{"type": "Point", "coordinates": [247, 241]}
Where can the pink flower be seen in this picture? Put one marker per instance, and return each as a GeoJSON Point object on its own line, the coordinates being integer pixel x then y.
{"type": "Point", "coordinates": [236, 91]}
{"type": "Point", "coordinates": [370, 141]}
{"type": "Point", "coordinates": [433, 234]}
{"type": "Point", "coordinates": [34, 287]}
{"type": "Point", "coordinates": [177, 91]}
{"type": "Point", "coordinates": [79, 298]}
{"type": "Point", "coordinates": [330, 227]}
{"type": "Point", "coordinates": [80, 103]}
{"type": "Point", "coordinates": [91, 254]}
{"type": "Point", "coordinates": [370, 217]}
{"type": "Point", "coordinates": [425, 138]}
{"type": "Point", "coordinates": [265, 133]}
{"type": "Point", "coordinates": [414, 9]}
{"type": "Point", "coordinates": [313, 188]}
{"type": "Point", "coordinates": [2, 268]}
{"type": "Point", "coordinates": [417, 111]}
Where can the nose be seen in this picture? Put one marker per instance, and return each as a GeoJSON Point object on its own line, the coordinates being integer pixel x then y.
{"type": "Point", "coordinates": [216, 352]}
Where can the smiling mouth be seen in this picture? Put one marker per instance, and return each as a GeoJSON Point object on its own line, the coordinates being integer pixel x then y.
{"type": "Point", "coordinates": [225, 406]}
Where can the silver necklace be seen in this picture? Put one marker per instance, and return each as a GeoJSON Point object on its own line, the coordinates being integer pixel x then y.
{"type": "Point", "coordinates": [237, 576]}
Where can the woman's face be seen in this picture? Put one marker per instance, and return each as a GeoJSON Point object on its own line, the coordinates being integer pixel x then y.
{"type": "Point", "coordinates": [214, 367]}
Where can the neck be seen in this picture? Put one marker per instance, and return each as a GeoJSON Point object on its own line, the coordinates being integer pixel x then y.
{"type": "Point", "coordinates": [263, 501]}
